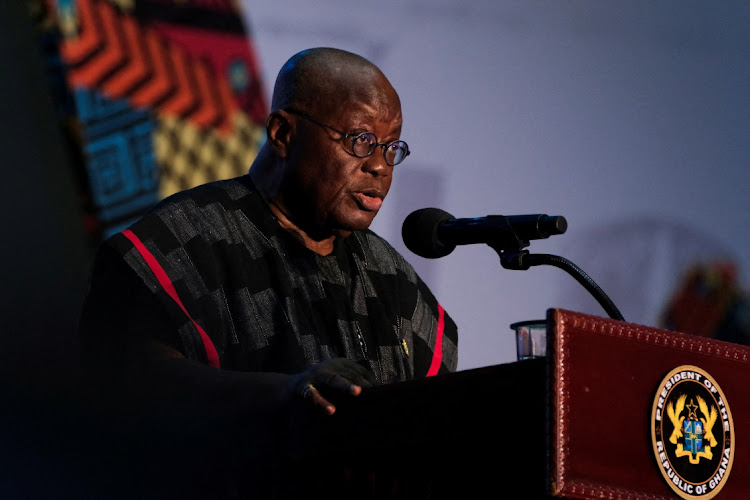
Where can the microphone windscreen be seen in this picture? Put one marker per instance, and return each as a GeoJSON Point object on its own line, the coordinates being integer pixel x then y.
{"type": "Point", "coordinates": [420, 233]}
{"type": "Point", "coordinates": [549, 225]}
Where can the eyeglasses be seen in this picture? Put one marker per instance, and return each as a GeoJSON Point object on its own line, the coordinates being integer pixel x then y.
{"type": "Point", "coordinates": [364, 144]}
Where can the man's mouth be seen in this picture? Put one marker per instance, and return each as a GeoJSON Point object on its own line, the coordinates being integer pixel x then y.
{"type": "Point", "coordinates": [368, 200]}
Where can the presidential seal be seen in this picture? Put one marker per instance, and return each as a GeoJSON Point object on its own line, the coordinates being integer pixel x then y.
{"type": "Point", "coordinates": [692, 433]}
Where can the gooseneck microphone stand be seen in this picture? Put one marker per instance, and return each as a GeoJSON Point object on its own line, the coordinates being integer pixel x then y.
{"type": "Point", "coordinates": [520, 260]}
{"type": "Point", "coordinates": [509, 243]}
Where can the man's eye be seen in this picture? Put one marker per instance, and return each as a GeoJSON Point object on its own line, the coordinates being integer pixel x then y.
{"type": "Point", "coordinates": [363, 139]}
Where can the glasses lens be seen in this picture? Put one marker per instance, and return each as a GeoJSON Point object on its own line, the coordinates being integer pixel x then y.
{"type": "Point", "coordinates": [395, 152]}
{"type": "Point", "coordinates": [364, 144]}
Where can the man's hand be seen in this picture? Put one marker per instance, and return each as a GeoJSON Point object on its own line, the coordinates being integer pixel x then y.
{"type": "Point", "coordinates": [337, 376]}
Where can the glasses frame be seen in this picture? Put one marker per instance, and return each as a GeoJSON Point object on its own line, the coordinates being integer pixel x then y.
{"type": "Point", "coordinates": [353, 137]}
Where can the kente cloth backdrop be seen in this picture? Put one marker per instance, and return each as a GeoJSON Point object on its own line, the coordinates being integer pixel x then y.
{"type": "Point", "coordinates": [155, 96]}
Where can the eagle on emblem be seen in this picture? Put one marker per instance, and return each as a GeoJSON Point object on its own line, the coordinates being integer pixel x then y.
{"type": "Point", "coordinates": [709, 421]}
{"type": "Point", "coordinates": [674, 416]}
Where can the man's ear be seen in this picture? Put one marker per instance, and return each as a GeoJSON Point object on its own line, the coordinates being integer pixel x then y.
{"type": "Point", "coordinates": [280, 132]}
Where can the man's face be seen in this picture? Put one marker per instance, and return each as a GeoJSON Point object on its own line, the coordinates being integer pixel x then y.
{"type": "Point", "coordinates": [335, 192]}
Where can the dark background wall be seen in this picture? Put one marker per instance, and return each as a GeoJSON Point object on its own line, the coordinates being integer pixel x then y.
{"type": "Point", "coordinates": [43, 255]}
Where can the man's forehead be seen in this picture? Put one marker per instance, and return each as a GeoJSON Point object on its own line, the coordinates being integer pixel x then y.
{"type": "Point", "coordinates": [362, 110]}
{"type": "Point", "coordinates": [364, 102]}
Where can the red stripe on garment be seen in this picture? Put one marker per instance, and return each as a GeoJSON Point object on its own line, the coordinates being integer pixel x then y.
{"type": "Point", "coordinates": [166, 283]}
{"type": "Point", "coordinates": [437, 354]}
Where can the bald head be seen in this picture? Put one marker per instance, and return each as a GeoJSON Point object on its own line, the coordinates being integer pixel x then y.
{"type": "Point", "coordinates": [319, 79]}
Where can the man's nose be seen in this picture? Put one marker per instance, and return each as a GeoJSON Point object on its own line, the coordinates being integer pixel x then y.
{"type": "Point", "coordinates": [376, 165]}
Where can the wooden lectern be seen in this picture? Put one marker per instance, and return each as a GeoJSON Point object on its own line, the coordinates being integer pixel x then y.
{"type": "Point", "coordinates": [576, 424]}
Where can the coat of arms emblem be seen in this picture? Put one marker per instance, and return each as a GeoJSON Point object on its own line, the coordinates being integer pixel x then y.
{"type": "Point", "coordinates": [692, 433]}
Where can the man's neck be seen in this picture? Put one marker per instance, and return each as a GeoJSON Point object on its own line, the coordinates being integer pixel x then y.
{"type": "Point", "coordinates": [322, 247]}
{"type": "Point", "coordinates": [267, 177]}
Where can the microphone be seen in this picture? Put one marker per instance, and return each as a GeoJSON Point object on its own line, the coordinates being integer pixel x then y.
{"type": "Point", "coordinates": [433, 233]}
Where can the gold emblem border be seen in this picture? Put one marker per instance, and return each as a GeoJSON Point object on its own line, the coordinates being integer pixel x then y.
{"type": "Point", "coordinates": [663, 472]}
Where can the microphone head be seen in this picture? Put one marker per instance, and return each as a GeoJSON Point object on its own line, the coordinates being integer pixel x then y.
{"type": "Point", "coordinates": [550, 225]}
{"type": "Point", "coordinates": [420, 233]}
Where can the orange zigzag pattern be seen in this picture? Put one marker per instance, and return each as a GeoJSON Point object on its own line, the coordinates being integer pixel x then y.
{"type": "Point", "coordinates": [114, 54]}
